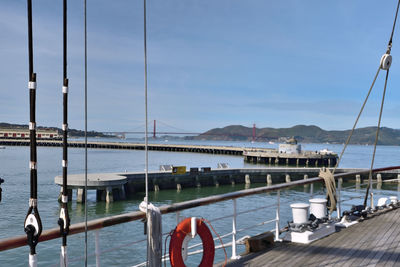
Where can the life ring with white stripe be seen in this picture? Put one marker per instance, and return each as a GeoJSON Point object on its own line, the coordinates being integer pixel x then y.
{"type": "Point", "coordinates": [183, 229]}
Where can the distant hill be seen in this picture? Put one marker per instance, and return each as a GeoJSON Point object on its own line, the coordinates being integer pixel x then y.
{"type": "Point", "coordinates": [303, 133]}
{"type": "Point", "coordinates": [71, 132]}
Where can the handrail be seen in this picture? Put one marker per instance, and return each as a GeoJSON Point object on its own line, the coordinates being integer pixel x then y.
{"type": "Point", "coordinates": [19, 241]}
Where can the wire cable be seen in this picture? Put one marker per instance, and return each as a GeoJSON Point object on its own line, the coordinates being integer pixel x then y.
{"type": "Point", "coordinates": [394, 25]}
{"type": "Point", "coordinates": [376, 140]}
{"type": "Point", "coordinates": [64, 220]}
{"type": "Point", "coordinates": [86, 141]}
{"type": "Point", "coordinates": [146, 127]}
{"type": "Point", "coordinates": [355, 123]}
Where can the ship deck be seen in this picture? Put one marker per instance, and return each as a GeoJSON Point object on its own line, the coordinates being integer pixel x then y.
{"type": "Point", "coordinates": [372, 242]}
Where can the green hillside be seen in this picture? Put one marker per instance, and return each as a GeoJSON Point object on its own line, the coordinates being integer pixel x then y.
{"type": "Point", "coordinates": [303, 133]}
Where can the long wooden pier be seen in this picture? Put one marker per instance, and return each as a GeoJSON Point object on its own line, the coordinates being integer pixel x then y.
{"type": "Point", "coordinates": [265, 156]}
{"type": "Point", "coordinates": [373, 242]}
{"type": "Point", "coordinates": [227, 150]}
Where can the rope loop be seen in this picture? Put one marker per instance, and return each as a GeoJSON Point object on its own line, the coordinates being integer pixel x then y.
{"type": "Point", "coordinates": [330, 184]}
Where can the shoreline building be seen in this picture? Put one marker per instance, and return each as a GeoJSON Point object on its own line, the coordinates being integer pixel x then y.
{"type": "Point", "coordinates": [8, 133]}
{"type": "Point", "coordinates": [290, 147]}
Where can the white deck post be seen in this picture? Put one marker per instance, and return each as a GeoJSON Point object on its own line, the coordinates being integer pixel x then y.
{"type": "Point", "coordinates": [97, 248]}
{"type": "Point", "coordinates": [234, 256]}
{"type": "Point", "coordinates": [178, 218]}
{"type": "Point", "coordinates": [277, 219]}
{"type": "Point", "coordinates": [339, 204]}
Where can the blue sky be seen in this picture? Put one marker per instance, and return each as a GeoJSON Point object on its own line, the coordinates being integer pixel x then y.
{"type": "Point", "coordinates": [210, 63]}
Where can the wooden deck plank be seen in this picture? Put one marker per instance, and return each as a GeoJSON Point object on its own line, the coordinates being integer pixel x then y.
{"type": "Point", "coordinates": [389, 251]}
{"type": "Point", "coordinates": [394, 257]}
{"type": "Point", "coordinates": [386, 243]}
{"type": "Point", "coordinates": [381, 244]}
{"type": "Point", "coordinates": [381, 227]}
{"type": "Point", "coordinates": [340, 242]}
{"type": "Point", "coordinates": [373, 242]}
{"type": "Point", "coordinates": [330, 248]}
{"type": "Point", "coordinates": [358, 249]}
{"type": "Point", "coordinates": [348, 250]}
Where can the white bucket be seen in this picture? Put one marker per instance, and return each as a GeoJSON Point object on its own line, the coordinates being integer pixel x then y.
{"type": "Point", "coordinates": [300, 212]}
{"type": "Point", "coordinates": [382, 201]}
{"type": "Point", "coordinates": [318, 207]}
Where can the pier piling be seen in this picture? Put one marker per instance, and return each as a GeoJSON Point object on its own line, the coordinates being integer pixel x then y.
{"type": "Point", "coordinates": [379, 178]}
{"type": "Point", "coordinates": [269, 179]}
{"type": "Point", "coordinates": [247, 179]}
{"type": "Point", "coordinates": [358, 178]}
{"type": "Point", "coordinates": [287, 178]}
{"type": "Point", "coordinates": [80, 195]}
{"type": "Point", "coordinates": [109, 195]}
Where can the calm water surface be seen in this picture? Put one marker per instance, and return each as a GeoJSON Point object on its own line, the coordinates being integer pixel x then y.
{"type": "Point", "coordinates": [118, 242]}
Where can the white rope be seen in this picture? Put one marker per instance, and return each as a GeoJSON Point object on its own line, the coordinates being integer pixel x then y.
{"type": "Point", "coordinates": [330, 187]}
{"type": "Point", "coordinates": [154, 232]}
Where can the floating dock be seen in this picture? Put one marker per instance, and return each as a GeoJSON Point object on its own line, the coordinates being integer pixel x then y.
{"type": "Point", "coordinates": [119, 186]}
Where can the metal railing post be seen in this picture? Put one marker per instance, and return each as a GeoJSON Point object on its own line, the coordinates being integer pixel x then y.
{"type": "Point", "coordinates": [178, 217]}
{"type": "Point", "coordinates": [339, 205]}
{"type": "Point", "coordinates": [311, 190]}
{"type": "Point", "coordinates": [277, 219]}
{"type": "Point", "coordinates": [234, 255]}
{"type": "Point", "coordinates": [97, 248]}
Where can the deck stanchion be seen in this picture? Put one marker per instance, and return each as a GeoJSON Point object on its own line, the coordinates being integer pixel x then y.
{"type": "Point", "coordinates": [97, 247]}
{"type": "Point", "coordinates": [234, 255]}
{"type": "Point", "coordinates": [277, 219]}
{"type": "Point", "coordinates": [178, 218]}
{"type": "Point", "coordinates": [339, 204]}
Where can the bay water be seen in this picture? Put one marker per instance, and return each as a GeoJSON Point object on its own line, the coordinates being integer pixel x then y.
{"type": "Point", "coordinates": [119, 244]}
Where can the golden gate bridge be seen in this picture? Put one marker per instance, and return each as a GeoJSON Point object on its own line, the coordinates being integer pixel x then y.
{"type": "Point", "coordinates": [176, 131]}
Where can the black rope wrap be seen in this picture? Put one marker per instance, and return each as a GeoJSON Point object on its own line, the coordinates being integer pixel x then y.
{"type": "Point", "coordinates": [64, 220]}
{"type": "Point", "coordinates": [30, 225]}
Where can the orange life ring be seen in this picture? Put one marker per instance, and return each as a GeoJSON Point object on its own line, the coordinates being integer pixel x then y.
{"type": "Point", "coordinates": [180, 232]}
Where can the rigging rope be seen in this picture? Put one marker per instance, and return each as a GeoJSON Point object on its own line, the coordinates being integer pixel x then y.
{"type": "Point", "coordinates": [33, 224]}
{"type": "Point", "coordinates": [64, 220]}
{"type": "Point", "coordinates": [355, 123]}
{"type": "Point", "coordinates": [385, 64]}
{"type": "Point", "coordinates": [376, 139]}
{"type": "Point", "coordinates": [86, 141]}
{"type": "Point", "coordinates": [146, 130]}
